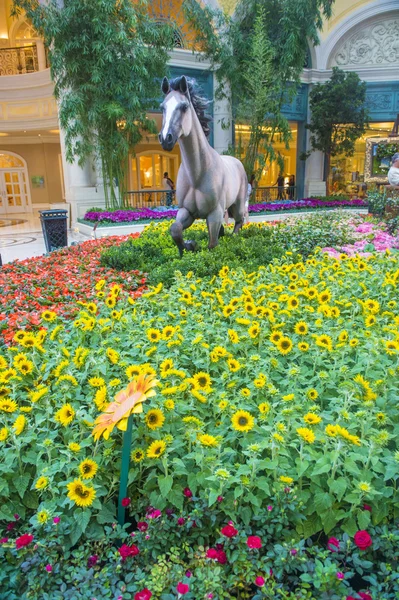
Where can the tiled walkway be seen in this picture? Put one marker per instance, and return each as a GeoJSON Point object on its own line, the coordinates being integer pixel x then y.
{"type": "Point", "coordinates": [21, 235]}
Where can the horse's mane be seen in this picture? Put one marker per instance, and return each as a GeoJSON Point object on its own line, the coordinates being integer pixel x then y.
{"type": "Point", "coordinates": [199, 103]}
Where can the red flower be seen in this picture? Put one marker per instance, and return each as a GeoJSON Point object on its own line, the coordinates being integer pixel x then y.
{"type": "Point", "coordinates": [187, 493]}
{"type": "Point", "coordinates": [229, 531]}
{"type": "Point", "coordinates": [182, 588]}
{"type": "Point", "coordinates": [181, 521]}
{"type": "Point", "coordinates": [333, 544]}
{"type": "Point", "coordinates": [125, 502]}
{"type": "Point", "coordinates": [4, 540]}
{"type": "Point", "coordinates": [23, 541]}
{"type": "Point", "coordinates": [254, 542]}
{"type": "Point", "coordinates": [363, 540]}
{"type": "Point", "coordinates": [367, 507]}
{"type": "Point", "coordinates": [221, 557]}
{"type": "Point", "coordinates": [126, 551]}
{"type": "Point", "coordinates": [365, 596]}
{"type": "Point", "coordinates": [259, 581]}
{"type": "Point", "coordinates": [145, 594]}
{"type": "Point", "coordinates": [142, 526]}
{"type": "Point", "coordinates": [212, 554]}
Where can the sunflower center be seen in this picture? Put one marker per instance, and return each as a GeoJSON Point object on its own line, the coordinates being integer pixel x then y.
{"type": "Point", "coordinates": [243, 421]}
{"type": "Point", "coordinates": [157, 450]}
{"type": "Point", "coordinates": [153, 418]}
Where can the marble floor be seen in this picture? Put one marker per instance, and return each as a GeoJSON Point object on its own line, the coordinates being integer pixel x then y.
{"type": "Point", "coordinates": [21, 235]}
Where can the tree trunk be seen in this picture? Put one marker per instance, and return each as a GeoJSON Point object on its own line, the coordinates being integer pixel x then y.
{"type": "Point", "coordinates": [327, 163]}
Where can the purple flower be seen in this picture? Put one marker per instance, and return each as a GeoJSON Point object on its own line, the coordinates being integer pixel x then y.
{"type": "Point", "coordinates": [92, 560]}
{"type": "Point", "coordinates": [49, 568]}
{"type": "Point", "coordinates": [56, 520]}
{"type": "Point", "coordinates": [340, 575]}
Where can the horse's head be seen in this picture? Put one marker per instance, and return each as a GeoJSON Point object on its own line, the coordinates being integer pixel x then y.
{"type": "Point", "coordinates": [177, 118]}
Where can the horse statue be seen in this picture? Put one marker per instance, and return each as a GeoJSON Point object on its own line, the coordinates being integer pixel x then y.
{"type": "Point", "coordinates": [207, 184]}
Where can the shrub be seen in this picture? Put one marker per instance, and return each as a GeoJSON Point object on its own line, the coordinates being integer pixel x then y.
{"type": "Point", "coordinates": [257, 244]}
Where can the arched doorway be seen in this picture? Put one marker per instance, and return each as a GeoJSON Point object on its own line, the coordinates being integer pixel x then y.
{"type": "Point", "coordinates": [14, 184]}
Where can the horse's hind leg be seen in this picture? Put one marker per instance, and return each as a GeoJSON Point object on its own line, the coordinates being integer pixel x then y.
{"type": "Point", "coordinates": [183, 220]}
{"type": "Point", "coordinates": [214, 222]}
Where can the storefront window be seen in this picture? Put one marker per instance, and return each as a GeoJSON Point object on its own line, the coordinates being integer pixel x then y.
{"type": "Point", "coordinates": [271, 172]}
{"type": "Point", "coordinates": [347, 173]}
{"type": "Point", "coordinates": [150, 168]}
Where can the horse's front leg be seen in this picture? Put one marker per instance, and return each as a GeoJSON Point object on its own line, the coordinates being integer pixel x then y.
{"type": "Point", "coordinates": [183, 220]}
{"type": "Point", "coordinates": [214, 222]}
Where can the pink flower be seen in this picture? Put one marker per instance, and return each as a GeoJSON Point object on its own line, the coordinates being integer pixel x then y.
{"type": "Point", "coordinates": [125, 502]}
{"type": "Point", "coordinates": [142, 526]}
{"type": "Point", "coordinates": [229, 531]}
{"type": "Point", "coordinates": [181, 521]}
{"type": "Point", "coordinates": [154, 513]}
{"type": "Point", "coordinates": [293, 552]}
{"type": "Point", "coordinates": [187, 493]}
{"type": "Point", "coordinates": [189, 574]}
{"type": "Point", "coordinates": [4, 540]}
{"type": "Point", "coordinates": [126, 551]}
{"type": "Point", "coordinates": [92, 560]}
{"type": "Point", "coordinates": [340, 575]}
{"type": "Point", "coordinates": [182, 588]}
{"type": "Point", "coordinates": [17, 517]}
{"type": "Point", "coordinates": [212, 554]}
{"type": "Point", "coordinates": [363, 540]}
{"type": "Point", "coordinates": [145, 594]}
{"type": "Point", "coordinates": [49, 568]}
{"type": "Point", "coordinates": [259, 581]}
{"type": "Point", "coordinates": [23, 541]}
{"type": "Point", "coordinates": [333, 544]}
{"type": "Point", "coordinates": [56, 520]}
{"type": "Point", "coordinates": [220, 499]}
{"type": "Point", "coordinates": [365, 596]}
{"type": "Point", "coordinates": [269, 508]}
{"type": "Point", "coordinates": [254, 542]}
{"type": "Point", "coordinates": [367, 507]}
{"type": "Point", "coordinates": [210, 596]}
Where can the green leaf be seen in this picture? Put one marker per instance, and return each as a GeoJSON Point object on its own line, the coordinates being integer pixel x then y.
{"type": "Point", "coordinates": [81, 519]}
{"type": "Point", "coordinates": [338, 487]}
{"type": "Point", "coordinates": [106, 514]}
{"type": "Point", "coordinates": [329, 521]}
{"type": "Point", "coordinates": [21, 483]}
{"type": "Point", "coordinates": [263, 484]}
{"type": "Point", "coordinates": [364, 519]}
{"type": "Point", "coordinates": [351, 466]}
{"type": "Point", "coordinates": [322, 501]}
{"type": "Point", "coordinates": [213, 494]}
{"type": "Point", "coordinates": [323, 465]}
{"type": "Point", "coordinates": [165, 484]}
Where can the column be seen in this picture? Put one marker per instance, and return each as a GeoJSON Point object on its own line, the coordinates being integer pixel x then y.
{"type": "Point", "coordinates": [222, 125]}
{"type": "Point", "coordinates": [314, 168]}
{"type": "Point", "coordinates": [41, 55]}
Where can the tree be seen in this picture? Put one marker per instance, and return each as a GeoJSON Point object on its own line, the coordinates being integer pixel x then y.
{"type": "Point", "coordinates": [235, 47]}
{"type": "Point", "coordinates": [105, 57]}
{"type": "Point", "coordinates": [339, 116]}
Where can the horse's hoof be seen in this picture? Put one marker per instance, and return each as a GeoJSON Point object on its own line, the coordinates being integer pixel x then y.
{"type": "Point", "coordinates": [191, 246]}
{"type": "Point", "coordinates": [221, 231]}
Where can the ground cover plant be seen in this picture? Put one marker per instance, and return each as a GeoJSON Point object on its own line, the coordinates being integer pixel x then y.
{"type": "Point", "coordinates": [56, 282]}
{"type": "Point", "coordinates": [265, 466]}
{"type": "Point", "coordinates": [155, 253]}
{"type": "Point", "coordinates": [106, 217]}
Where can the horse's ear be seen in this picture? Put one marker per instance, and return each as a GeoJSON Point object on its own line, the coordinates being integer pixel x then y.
{"type": "Point", "coordinates": [183, 85]}
{"type": "Point", "coordinates": [165, 86]}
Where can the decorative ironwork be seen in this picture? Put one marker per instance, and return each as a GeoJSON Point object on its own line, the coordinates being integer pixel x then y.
{"type": "Point", "coordinates": [171, 11]}
{"type": "Point", "coordinates": [18, 61]}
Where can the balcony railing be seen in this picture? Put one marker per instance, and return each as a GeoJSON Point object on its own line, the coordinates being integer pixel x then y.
{"type": "Point", "coordinates": [18, 61]}
{"type": "Point", "coordinates": [155, 198]}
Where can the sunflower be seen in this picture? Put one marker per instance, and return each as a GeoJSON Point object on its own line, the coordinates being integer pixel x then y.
{"type": "Point", "coordinates": [153, 335]}
{"type": "Point", "coordinates": [168, 332]}
{"type": "Point", "coordinates": [233, 336]}
{"type": "Point", "coordinates": [372, 306]}
{"type": "Point", "coordinates": [312, 394]}
{"type": "Point", "coordinates": [301, 328]}
{"type": "Point", "coordinates": [306, 434]}
{"type": "Point", "coordinates": [88, 468]}
{"type": "Point", "coordinates": [154, 418]}
{"type": "Point", "coordinates": [65, 415]}
{"type": "Point", "coordinates": [100, 398]}
{"type": "Point", "coordinates": [228, 310]}
{"type": "Point", "coordinates": [20, 357]}
{"type": "Point", "coordinates": [96, 382]}
{"type": "Point", "coordinates": [245, 392]}
{"type": "Point", "coordinates": [3, 434]}
{"type": "Point", "coordinates": [391, 347]}
{"type": "Point", "coordinates": [311, 293]}
{"type": "Point", "coordinates": [25, 367]}
{"type": "Point", "coordinates": [80, 356]}
{"type": "Point", "coordinates": [233, 365]}
{"type": "Point", "coordinates": [133, 371]}
{"type": "Point", "coordinates": [193, 421]}
{"type": "Point", "coordinates": [292, 303]}
{"type": "Point", "coordinates": [112, 355]}
{"type": "Point", "coordinates": [202, 381]}
{"type": "Point", "coordinates": [19, 424]}
{"type": "Point", "coordinates": [279, 438]}
{"type": "Point", "coordinates": [110, 301]}
{"type": "Point", "coordinates": [156, 449]}
{"type": "Point", "coordinates": [41, 483]}
{"type": "Point", "coordinates": [4, 391]}
{"type": "Point", "coordinates": [324, 297]}
{"type": "Point", "coordinates": [370, 321]}
{"type": "Point", "coordinates": [74, 447]}
{"type": "Point", "coordinates": [324, 341]}
{"type": "Point", "coordinates": [312, 419]}
{"type": "Point", "coordinates": [276, 337]}
{"type": "Point", "coordinates": [287, 480]}
{"type": "Point", "coordinates": [49, 315]}
{"type": "Point", "coordinates": [208, 440]}
{"type": "Point", "coordinates": [242, 420]}
{"type": "Point", "coordinates": [264, 408]}
{"type": "Point", "coordinates": [254, 331]}
{"type": "Point", "coordinates": [137, 455]}
{"type": "Point", "coordinates": [343, 336]}
{"type": "Point", "coordinates": [284, 345]}
{"type": "Point", "coordinates": [81, 494]}
{"type": "Point", "coordinates": [353, 342]}
{"type": "Point", "coordinates": [8, 405]}
{"type": "Point", "coordinates": [43, 516]}
{"type": "Point", "coordinates": [19, 336]}
{"type": "Point", "coordinates": [7, 375]}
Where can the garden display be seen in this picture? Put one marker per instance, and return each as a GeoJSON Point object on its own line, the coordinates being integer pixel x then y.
{"type": "Point", "coordinates": [264, 463]}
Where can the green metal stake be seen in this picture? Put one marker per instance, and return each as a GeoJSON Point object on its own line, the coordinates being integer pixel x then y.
{"type": "Point", "coordinates": [126, 446]}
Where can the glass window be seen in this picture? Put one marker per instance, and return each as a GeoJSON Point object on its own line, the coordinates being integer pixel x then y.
{"type": "Point", "coordinates": [146, 172]}
{"type": "Point", "coordinates": [9, 161]}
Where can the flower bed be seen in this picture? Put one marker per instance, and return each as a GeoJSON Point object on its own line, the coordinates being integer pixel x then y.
{"type": "Point", "coordinates": [146, 214]}
{"type": "Point", "coordinates": [372, 238]}
{"type": "Point", "coordinates": [56, 282]}
{"type": "Point", "coordinates": [265, 466]}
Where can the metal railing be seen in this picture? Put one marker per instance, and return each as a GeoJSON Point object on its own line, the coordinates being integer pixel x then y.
{"type": "Point", "coordinates": [150, 198]}
{"type": "Point", "coordinates": [18, 61]}
{"type": "Point", "coordinates": [154, 198]}
{"type": "Point", "coordinates": [273, 194]}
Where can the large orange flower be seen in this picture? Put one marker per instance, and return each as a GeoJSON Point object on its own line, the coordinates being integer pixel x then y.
{"type": "Point", "coordinates": [128, 401]}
